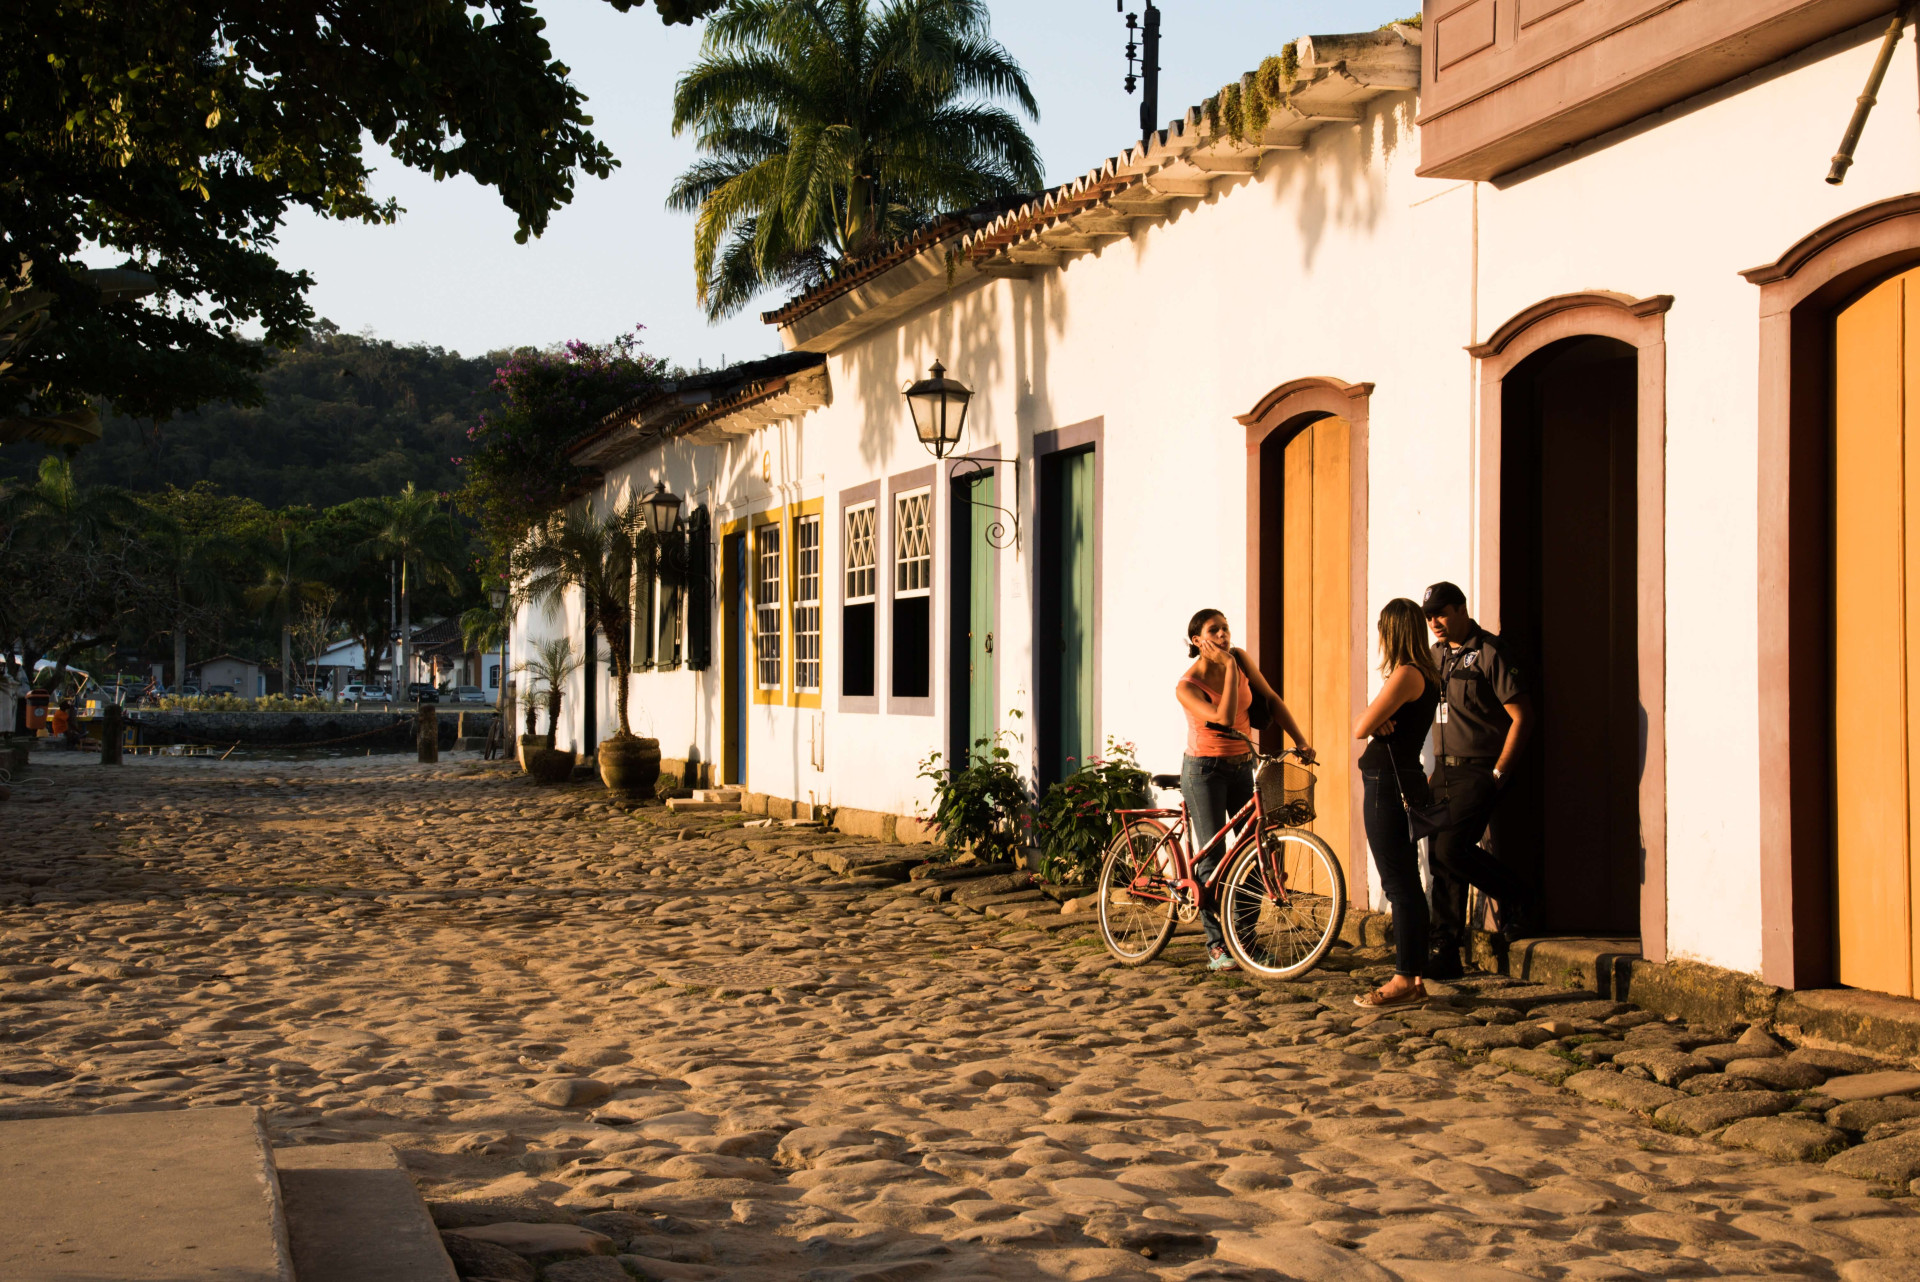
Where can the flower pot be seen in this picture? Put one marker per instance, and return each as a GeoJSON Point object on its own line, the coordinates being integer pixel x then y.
{"type": "Point", "coordinates": [630, 765]}
{"type": "Point", "coordinates": [550, 765]}
{"type": "Point", "coordinates": [532, 743]}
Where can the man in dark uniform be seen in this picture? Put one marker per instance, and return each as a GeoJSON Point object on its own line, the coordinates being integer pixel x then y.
{"type": "Point", "coordinates": [1480, 727]}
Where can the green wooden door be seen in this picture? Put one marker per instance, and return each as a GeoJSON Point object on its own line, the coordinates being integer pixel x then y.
{"type": "Point", "coordinates": [983, 710]}
{"type": "Point", "coordinates": [1067, 616]}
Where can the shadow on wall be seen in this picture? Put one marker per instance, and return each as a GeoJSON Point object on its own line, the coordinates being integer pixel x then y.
{"type": "Point", "coordinates": [1344, 187]}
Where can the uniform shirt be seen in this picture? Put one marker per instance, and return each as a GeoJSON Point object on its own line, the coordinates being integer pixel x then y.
{"type": "Point", "coordinates": [1477, 679]}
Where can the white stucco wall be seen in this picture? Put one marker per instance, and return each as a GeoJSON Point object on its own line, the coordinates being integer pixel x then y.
{"type": "Point", "coordinates": [1333, 262]}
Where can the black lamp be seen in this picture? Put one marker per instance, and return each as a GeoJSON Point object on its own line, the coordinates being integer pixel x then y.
{"type": "Point", "coordinates": [939, 406]}
{"type": "Point", "coordinates": [498, 596]}
{"type": "Point", "coordinates": [663, 509]}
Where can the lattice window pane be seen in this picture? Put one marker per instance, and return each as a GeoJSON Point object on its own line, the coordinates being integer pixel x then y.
{"type": "Point", "coordinates": [806, 604]}
{"type": "Point", "coordinates": [863, 555]}
{"type": "Point", "coordinates": [913, 544]}
{"type": "Point", "coordinates": [766, 606]}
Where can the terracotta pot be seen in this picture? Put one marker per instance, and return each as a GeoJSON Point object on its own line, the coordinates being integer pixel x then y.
{"type": "Point", "coordinates": [550, 765]}
{"type": "Point", "coordinates": [532, 743]}
{"type": "Point", "coordinates": [630, 765]}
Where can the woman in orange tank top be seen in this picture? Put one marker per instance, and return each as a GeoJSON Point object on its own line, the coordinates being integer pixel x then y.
{"type": "Point", "coordinates": [1216, 778]}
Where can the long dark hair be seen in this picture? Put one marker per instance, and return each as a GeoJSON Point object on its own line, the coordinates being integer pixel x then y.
{"type": "Point", "coordinates": [1194, 625]}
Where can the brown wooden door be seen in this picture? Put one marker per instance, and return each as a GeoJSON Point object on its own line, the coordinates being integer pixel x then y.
{"type": "Point", "coordinates": [1876, 607]}
{"type": "Point", "coordinates": [1316, 612]}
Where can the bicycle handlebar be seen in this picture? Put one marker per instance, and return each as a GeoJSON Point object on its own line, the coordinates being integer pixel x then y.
{"type": "Point", "coordinates": [1306, 757]}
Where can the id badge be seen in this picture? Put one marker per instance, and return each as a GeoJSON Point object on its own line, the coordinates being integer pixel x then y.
{"type": "Point", "coordinates": [1440, 714]}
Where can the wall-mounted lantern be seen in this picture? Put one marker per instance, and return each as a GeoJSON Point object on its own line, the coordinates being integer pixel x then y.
{"type": "Point", "coordinates": [939, 406]}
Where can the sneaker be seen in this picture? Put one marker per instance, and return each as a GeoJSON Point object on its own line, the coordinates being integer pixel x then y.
{"type": "Point", "coordinates": [1219, 958]}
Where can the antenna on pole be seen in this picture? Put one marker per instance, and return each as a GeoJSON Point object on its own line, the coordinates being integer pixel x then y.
{"type": "Point", "coordinates": [1143, 47]}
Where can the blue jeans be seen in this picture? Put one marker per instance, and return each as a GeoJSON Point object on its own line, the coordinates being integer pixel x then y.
{"type": "Point", "coordinates": [1215, 788]}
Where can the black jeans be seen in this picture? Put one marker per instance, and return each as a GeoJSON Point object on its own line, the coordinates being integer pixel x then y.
{"type": "Point", "coordinates": [1398, 860]}
{"type": "Point", "coordinates": [1215, 788]}
{"type": "Point", "coordinates": [1457, 858]}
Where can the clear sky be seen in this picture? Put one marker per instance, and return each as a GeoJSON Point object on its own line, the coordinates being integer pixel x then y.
{"type": "Point", "coordinates": [449, 273]}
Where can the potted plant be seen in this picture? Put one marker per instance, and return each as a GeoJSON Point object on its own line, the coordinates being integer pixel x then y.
{"type": "Point", "coordinates": [599, 556]}
{"type": "Point", "coordinates": [553, 661]}
{"type": "Point", "coordinates": [1075, 821]}
{"type": "Point", "coordinates": [981, 808]}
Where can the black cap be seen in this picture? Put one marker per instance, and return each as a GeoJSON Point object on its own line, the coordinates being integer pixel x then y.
{"type": "Point", "coordinates": [1440, 596]}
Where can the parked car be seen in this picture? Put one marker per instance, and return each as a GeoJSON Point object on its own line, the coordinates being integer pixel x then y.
{"type": "Point", "coordinates": [466, 694]}
{"type": "Point", "coordinates": [422, 692]}
{"type": "Point", "coordinates": [212, 690]}
{"type": "Point", "coordinates": [358, 692]}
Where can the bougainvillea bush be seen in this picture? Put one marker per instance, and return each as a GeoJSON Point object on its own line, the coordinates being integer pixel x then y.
{"type": "Point", "coordinates": [518, 472]}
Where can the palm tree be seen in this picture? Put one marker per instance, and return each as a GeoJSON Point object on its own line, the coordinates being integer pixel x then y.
{"type": "Point", "coordinates": [416, 533]}
{"type": "Point", "coordinates": [192, 565]}
{"type": "Point", "coordinates": [552, 663]}
{"type": "Point", "coordinates": [290, 582]}
{"type": "Point", "coordinates": [831, 126]}
{"type": "Point", "coordinates": [596, 555]}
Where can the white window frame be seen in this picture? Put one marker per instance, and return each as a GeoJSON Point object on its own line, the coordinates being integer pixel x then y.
{"type": "Point", "coordinates": [913, 543]}
{"type": "Point", "coordinates": [863, 553]}
{"type": "Point", "coordinates": [768, 606]}
{"type": "Point", "coordinates": [808, 567]}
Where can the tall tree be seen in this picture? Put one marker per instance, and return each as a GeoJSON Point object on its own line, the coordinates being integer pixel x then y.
{"type": "Point", "coordinates": [179, 133]}
{"type": "Point", "coordinates": [830, 126]}
{"type": "Point", "coordinates": [425, 542]}
{"type": "Point", "coordinates": [293, 576]}
{"type": "Point", "coordinates": [74, 554]}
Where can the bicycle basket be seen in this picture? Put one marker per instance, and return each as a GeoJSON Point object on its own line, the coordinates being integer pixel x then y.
{"type": "Point", "coordinates": [1286, 793]}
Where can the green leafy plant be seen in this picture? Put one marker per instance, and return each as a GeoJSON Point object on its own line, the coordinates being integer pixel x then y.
{"type": "Point", "coordinates": [984, 807]}
{"type": "Point", "coordinates": [1075, 819]}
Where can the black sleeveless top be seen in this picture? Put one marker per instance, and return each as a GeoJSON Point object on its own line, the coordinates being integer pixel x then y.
{"type": "Point", "coordinates": [1410, 726]}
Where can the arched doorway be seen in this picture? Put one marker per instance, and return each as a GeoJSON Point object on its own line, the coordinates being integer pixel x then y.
{"type": "Point", "coordinates": [1835, 330]}
{"type": "Point", "coordinates": [1568, 611]}
{"type": "Point", "coordinates": [1307, 526]}
{"type": "Point", "coordinates": [1572, 572]}
{"type": "Point", "coordinates": [1876, 620]}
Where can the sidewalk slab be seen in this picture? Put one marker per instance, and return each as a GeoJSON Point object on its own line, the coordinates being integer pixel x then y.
{"type": "Point", "coordinates": [1599, 965]}
{"type": "Point", "coordinates": [353, 1215]}
{"type": "Point", "coordinates": [141, 1197]}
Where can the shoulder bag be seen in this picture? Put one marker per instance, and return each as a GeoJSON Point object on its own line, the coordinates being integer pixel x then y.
{"type": "Point", "coordinates": [1423, 819]}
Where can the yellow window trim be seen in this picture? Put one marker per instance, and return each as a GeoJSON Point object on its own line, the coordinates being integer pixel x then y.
{"type": "Point", "coordinates": [781, 695]}
{"type": "Point", "coordinates": [806, 507]}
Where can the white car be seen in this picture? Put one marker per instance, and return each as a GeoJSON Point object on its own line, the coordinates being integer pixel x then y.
{"type": "Point", "coordinates": [359, 693]}
{"type": "Point", "coordinates": [467, 694]}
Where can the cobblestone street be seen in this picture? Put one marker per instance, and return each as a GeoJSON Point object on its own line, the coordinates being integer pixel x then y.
{"type": "Point", "coordinates": [724, 1059]}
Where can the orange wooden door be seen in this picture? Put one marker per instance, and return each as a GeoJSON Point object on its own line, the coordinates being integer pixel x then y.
{"type": "Point", "coordinates": [1316, 600]}
{"type": "Point", "coordinates": [1876, 620]}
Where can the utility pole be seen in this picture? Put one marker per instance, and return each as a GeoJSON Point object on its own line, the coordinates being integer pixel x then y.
{"type": "Point", "coordinates": [1149, 59]}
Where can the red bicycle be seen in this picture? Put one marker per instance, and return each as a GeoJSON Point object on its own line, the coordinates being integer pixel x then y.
{"type": "Point", "coordinates": [1281, 894]}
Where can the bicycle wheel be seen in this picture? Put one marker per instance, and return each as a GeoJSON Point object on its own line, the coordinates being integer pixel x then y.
{"type": "Point", "coordinates": [1136, 904]}
{"type": "Point", "coordinates": [1282, 931]}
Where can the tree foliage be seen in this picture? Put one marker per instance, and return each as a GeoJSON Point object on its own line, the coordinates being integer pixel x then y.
{"type": "Point", "coordinates": [178, 134]}
{"type": "Point", "coordinates": [830, 126]}
{"type": "Point", "coordinates": [518, 472]}
{"type": "Point", "coordinates": [347, 416]}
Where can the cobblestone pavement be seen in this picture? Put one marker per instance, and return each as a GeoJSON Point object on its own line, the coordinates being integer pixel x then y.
{"type": "Point", "coordinates": [725, 1060]}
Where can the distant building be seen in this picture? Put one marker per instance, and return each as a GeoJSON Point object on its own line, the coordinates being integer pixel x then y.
{"type": "Point", "coordinates": [231, 672]}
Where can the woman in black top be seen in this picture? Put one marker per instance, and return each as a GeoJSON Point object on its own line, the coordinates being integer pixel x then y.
{"type": "Point", "coordinates": [1397, 722]}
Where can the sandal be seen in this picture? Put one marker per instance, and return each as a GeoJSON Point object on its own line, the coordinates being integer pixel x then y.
{"type": "Point", "coordinates": [1378, 999]}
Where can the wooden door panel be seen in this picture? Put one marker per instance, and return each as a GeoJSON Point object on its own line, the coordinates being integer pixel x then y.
{"type": "Point", "coordinates": [1316, 647]}
{"type": "Point", "coordinates": [983, 709]}
{"type": "Point", "coordinates": [1872, 814]}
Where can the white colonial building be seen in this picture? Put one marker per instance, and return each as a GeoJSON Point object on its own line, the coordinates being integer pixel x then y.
{"type": "Point", "coordinates": [1550, 300]}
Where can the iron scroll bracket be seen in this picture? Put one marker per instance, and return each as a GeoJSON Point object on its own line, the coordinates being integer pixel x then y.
{"type": "Point", "coordinates": [998, 535]}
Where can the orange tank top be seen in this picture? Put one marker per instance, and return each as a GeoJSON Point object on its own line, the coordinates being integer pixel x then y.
{"type": "Point", "coordinates": [1202, 742]}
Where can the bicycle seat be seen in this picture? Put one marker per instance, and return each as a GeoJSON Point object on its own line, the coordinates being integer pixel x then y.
{"type": "Point", "coordinates": [1166, 781]}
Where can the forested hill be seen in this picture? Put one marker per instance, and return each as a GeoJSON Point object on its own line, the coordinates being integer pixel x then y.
{"type": "Point", "coordinates": [344, 417]}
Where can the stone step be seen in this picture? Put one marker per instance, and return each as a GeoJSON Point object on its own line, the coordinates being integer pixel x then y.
{"type": "Point", "coordinates": [353, 1215]}
{"type": "Point", "coordinates": [141, 1197]}
{"type": "Point", "coordinates": [684, 805]}
{"type": "Point", "coordinates": [729, 795]}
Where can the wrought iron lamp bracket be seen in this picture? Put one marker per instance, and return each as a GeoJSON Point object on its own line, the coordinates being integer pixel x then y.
{"type": "Point", "coordinates": [998, 533]}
